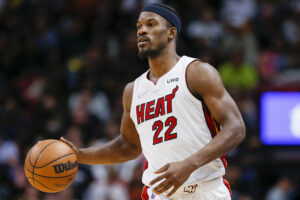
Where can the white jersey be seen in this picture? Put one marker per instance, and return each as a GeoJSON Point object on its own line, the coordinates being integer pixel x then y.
{"type": "Point", "coordinates": [172, 124]}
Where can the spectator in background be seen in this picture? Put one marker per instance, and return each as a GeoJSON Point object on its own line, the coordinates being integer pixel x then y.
{"type": "Point", "coordinates": [89, 109]}
{"type": "Point", "coordinates": [237, 16]}
{"type": "Point", "coordinates": [237, 74]}
{"type": "Point", "coordinates": [94, 102]}
{"type": "Point", "coordinates": [49, 116]}
{"type": "Point", "coordinates": [237, 13]}
{"type": "Point", "coordinates": [241, 80]}
{"type": "Point", "coordinates": [205, 30]}
{"type": "Point", "coordinates": [240, 38]}
{"type": "Point", "coordinates": [282, 190]}
{"type": "Point", "coordinates": [12, 171]}
{"type": "Point", "coordinates": [112, 189]}
{"type": "Point", "coordinates": [9, 153]}
{"type": "Point", "coordinates": [291, 29]}
{"type": "Point", "coordinates": [272, 61]}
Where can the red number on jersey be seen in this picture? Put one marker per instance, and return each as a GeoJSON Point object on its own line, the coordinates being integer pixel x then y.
{"type": "Point", "coordinates": [171, 122]}
{"type": "Point", "coordinates": [158, 126]}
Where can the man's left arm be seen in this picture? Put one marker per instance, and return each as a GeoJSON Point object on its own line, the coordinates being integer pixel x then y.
{"type": "Point", "coordinates": [203, 80]}
{"type": "Point", "coordinates": [222, 107]}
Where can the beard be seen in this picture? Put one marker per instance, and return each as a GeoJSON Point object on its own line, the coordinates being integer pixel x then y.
{"type": "Point", "coordinates": [151, 53]}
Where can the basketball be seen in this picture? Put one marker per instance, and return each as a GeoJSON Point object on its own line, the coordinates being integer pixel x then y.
{"type": "Point", "coordinates": [51, 166]}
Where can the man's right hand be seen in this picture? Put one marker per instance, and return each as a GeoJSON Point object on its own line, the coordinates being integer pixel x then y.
{"type": "Point", "coordinates": [75, 149]}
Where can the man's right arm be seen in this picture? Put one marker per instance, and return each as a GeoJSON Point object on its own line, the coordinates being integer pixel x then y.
{"type": "Point", "coordinates": [123, 148]}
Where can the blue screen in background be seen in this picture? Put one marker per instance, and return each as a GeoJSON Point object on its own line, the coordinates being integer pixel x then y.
{"type": "Point", "coordinates": [280, 118]}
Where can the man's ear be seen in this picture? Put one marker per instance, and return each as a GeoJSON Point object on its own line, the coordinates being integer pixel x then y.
{"type": "Point", "coordinates": [172, 33]}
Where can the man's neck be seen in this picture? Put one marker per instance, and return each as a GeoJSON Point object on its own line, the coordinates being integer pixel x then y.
{"type": "Point", "coordinates": [161, 64]}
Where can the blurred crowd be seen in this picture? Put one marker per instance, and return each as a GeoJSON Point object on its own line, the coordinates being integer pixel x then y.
{"type": "Point", "coordinates": [64, 64]}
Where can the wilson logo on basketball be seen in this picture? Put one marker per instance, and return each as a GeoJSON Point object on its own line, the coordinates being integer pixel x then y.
{"type": "Point", "coordinates": [60, 168]}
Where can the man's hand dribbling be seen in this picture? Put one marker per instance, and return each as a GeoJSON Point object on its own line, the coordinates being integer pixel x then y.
{"type": "Point", "coordinates": [174, 175]}
{"type": "Point", "coordinates": [75, 149]}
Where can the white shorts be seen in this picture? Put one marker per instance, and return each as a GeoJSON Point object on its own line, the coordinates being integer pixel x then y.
{"type": "Point", "coordinates": [215, 189]}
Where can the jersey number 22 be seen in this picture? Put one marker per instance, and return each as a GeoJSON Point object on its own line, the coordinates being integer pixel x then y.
{"type": "Point", "coordinates": [158, 126]}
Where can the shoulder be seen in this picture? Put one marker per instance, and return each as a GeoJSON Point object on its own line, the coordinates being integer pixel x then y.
{"type": "Point", "coordinates": [127, 96]}
{"type": "Point", "coordinates": [202, 78]}
{"type": "Point", "coordinates": [201, 69]}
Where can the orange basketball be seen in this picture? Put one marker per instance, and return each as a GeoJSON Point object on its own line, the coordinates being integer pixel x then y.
{"type": "Point", "coordinates": [51, 166]}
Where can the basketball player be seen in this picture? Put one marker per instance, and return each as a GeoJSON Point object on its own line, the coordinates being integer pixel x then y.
{"type": "Point", "coordinates": [178, 114]}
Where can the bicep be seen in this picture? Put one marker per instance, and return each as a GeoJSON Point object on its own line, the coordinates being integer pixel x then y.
{"type": "Point", "coordinates": [225, 111]}
{"type": "Point", "coordinates": [206, 82]}
{"type": "Point", "coordinates": [222, 107]}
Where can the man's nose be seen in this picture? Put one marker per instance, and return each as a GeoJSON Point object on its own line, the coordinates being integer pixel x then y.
{"type": "Point", "coordinates": [142, 30]}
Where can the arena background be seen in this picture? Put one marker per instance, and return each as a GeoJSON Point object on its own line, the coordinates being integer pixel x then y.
{"type": "Point", "coordinates": [64, 64]}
